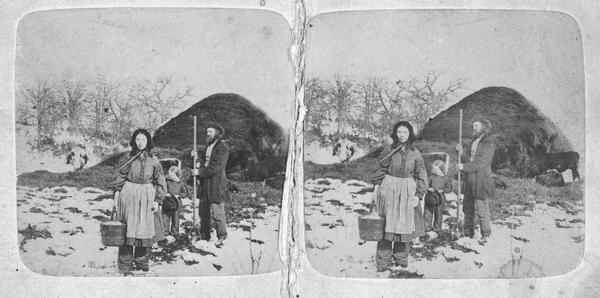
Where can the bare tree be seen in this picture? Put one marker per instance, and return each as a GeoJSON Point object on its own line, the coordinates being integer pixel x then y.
{"type": "Point", "coordinates": [23, 113]}
{"type": "Point", "coordinates": [394, 105]}
{"type": "Point", "coordinates": [343, 99]}
{"type": "Point", "coordinates": [120, 109]}
{"type": "Point", "coordinates": [152, 97]}
{"type": "Point", "coordinates": [70, 100]}
{"type": "Point", "coordinates": [317, 102]}
{"type": "Point", "coordinates": [370, 102]}
{"type": "Point", "coordinates": [101, 109]}
{"type": "Point", "coordinates": [427, 97]}
{"type": "Point", "coordinates": [373, 105]}
{"type": "Point", "coordinates": [100, 99]}
{"type": "Point", "coordinates": [42, 99]}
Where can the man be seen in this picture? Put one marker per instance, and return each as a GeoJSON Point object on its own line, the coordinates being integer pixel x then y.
{"type": "Point", "coordinates": [213, 184]}
{"type": "Point", "coordinates": [478, 182]}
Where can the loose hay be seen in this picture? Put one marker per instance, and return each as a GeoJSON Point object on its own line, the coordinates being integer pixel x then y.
{"type": "Point", "coordinates": [31, 232]}
{"type": "Point", "coordinates": [405, 274]}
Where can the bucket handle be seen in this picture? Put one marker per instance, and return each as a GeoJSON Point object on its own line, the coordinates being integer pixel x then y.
{"type": "Point", "coordinates": [375, 188]}
{"type": "Point", "coordinates": [115, 205]}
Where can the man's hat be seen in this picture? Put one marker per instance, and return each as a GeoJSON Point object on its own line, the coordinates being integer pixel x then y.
{"type": "Point", "coordinates": [484, 121]}
{"type": "Point", "coordinates": [217, 127]}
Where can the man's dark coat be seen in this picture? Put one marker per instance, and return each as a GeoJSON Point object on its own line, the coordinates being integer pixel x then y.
{"type": "Point", "coordinates": [212, 178]}
{"type": "Point", "coordinates": [478, 173]}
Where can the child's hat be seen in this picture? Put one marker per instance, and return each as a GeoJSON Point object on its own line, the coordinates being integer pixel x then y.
{"type": "Point", "coordinates": [175, 170]}
{"type": "Point", "coordinates": [437, 163]}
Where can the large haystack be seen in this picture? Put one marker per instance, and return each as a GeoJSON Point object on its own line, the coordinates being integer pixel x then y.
{"type": "Point", "coordinates": [258, 144]}
{"type": "Point", "coordinates": [521, 130]}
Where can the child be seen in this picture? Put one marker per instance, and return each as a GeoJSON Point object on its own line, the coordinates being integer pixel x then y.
{"type": "Point", "coordinates": [435, 197]}
{"type": "Point", "coordinates": [177, 189]}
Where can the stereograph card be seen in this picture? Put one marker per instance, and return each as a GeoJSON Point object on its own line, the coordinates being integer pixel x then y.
{"type": "Point", "coordinates": [299, 148]}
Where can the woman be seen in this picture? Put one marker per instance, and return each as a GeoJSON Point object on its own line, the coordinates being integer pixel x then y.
{"type": "Point", "coordinates": [401, 182]}
{"type": "Point", "coordinates": [140, 187]}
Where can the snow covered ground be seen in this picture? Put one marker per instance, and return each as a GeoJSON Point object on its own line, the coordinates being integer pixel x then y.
{"type": "Point", "coordinates": [545, 234]}
{"type": "Point", "coordinates": [314, 152]}
{"type": "Point", "coordinates": [29, 160]}
{"type": "Point", "coordinates": [60, 235]}
{"type": "Point", "coordinates": [59, 229]}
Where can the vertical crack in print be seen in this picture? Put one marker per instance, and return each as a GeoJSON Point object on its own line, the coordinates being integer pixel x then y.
{"type": "Point", "coordinates": [290, 221]}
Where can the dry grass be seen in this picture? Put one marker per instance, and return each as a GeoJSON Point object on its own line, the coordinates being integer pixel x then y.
{"type": "Point", "coordinates": [250, 134]}
{"type": "Point", "coordinates": [98, 176]}
{"type": "Point", "coordinates": [517, 192]}
{"type": "Point", "coordinates": [32, 232]}
{"type": "Point", "coordinates": [520, 129]}
{"type": "Point", "coordinates": [364, 167]}
{"type": "Point", "coordinates": [251, 195]}
{"type": "Point", "coordinates": [512, 115]}
{"type": "Point", "coordinates": [525, 192]}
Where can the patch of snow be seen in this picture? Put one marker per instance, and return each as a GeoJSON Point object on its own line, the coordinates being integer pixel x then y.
{"type": "Point", "coordinates": [72, 217]}
{"type": "Point", "coordinates": [432, 235]}
{"type": "Point", "coordinates": [332, 208]}
{"type": "Point", "coordinates": [29, 159]}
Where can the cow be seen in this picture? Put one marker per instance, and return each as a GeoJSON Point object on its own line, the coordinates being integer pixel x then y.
{"type": "Point", "coordinates": [78, 158]}
{"type": "Point", "coordinates": [344, 149]}
{"type": "Point", "coordinates": [499, 182]}
{"type": "Point", "coordinates": [554, 178]}
{"type": "Point", "coordinates": [540, 163]}
{"type": "Point", "coordinates": [239, 160]}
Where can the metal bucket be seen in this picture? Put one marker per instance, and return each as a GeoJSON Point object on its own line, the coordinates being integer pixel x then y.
{"type": "Point", "coordinates": [113, 232]}
{"type": "Point", "coordinates": [371, 227]}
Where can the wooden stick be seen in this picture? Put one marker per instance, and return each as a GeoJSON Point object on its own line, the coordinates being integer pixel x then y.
{"type": "Point", "coordinates": [392, 152]}
{"type": "Point", "coordinates": [373, 201]}
{"type": "Point", "coordinates": [130, 160]}
{"type": "Point", "coordinates": [459, 161]}
{"type": "Point", "coordinates": [195, 178]}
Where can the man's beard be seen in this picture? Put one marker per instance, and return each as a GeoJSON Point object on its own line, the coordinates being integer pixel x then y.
{"type": "Point", "coordinates": [210, 140]}
{"type": "Point", "coordinates": [477, 134]}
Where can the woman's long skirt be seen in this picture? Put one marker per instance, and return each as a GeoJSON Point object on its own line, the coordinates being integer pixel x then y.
{"type": "Point", "coordinates": [134, 208]}
{"type": "Point", "coordinates": [403, 222]}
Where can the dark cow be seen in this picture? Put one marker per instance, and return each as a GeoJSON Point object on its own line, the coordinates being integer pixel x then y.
{"type": "Point", "coordinates": [344, 149]}
{"type": "Point", "coordinates": [240, 160]}
{"type": "Point", "coordinates": [499, 182]}
{"type": "Point", "coordinates": [540, 163]}
{"type": "Point", "coordinates": [550, 178]}
{"type": "Point", "coordinates": [78, 158]}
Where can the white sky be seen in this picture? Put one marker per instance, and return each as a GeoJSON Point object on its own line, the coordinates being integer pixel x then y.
{"type": "Point", "coordinates": [211, 50]}
{"type": "Point", "coordinates": [538, 54]}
